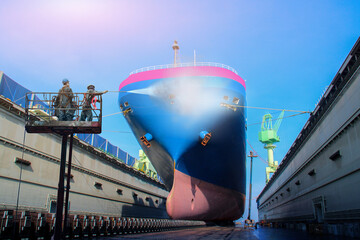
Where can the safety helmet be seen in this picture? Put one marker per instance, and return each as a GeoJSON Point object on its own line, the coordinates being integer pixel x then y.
{"type": "Point", "coordinates": [65, 80]}
{"type": "Point", "coordinates": [91, 87]}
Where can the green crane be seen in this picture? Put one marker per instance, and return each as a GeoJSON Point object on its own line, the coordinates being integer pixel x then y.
{"type": "Point", "coordinates": [268, 136]}
{"type": "Point", "coordinates": [144, 165]}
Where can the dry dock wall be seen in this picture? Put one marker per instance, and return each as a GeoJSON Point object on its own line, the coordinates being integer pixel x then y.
{"type": "Point", "coordinates": [318, 180]}
{"type": "Point", "coordinates": [124, 191]}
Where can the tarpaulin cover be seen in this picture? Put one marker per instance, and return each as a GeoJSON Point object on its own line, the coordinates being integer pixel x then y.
{"type": "Point", "coordinates": [111, 149]}
{"type": "Point", "coordinates": [12, 90]}
{"type": "Point", "coordinates": [17, 93]}
{"type": "Point", "coordinates": [122, 155]}
{"type": "Point", "coordinates": [85, 137]}
{"type": "Point", "coordinates": [99, 142]}
{"type": "Point", "coordinates": [131, 160]}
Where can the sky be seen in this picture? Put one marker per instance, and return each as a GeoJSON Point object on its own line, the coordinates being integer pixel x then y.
{"type": "Point", "coordinates": [287, 51]}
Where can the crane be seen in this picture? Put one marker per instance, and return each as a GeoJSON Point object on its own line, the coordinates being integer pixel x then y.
{"type": "Point", "coordinates": [144, 165]}
{"type": "Point", "coordinates": [268, 136]}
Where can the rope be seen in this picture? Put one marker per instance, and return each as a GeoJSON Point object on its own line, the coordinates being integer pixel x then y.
{"type": "Point", "coordinates": [274, 109]}
{"type": "Point", "coordinates": [266, 162]}
{"type": "Point", "coordinates": [19, 99]}
{"type": "Point", "coordinates": [116, 131]}
{"type": "Point", "coordinates": [13, 95]}
{"type": "Point", "coordinates": [300, 113]}
{"type": "Point", "coordinates": [111, 114]}
{"type": "Point", "coordinates": [278, 118]}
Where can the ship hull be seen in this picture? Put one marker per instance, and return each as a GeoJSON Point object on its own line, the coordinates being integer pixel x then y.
{"type": "Point", "coordinates": [192, 198]}
{"type": "Point", "coordinates": [177, 107]}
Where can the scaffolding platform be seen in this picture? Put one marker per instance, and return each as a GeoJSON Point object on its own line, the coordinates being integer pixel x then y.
{"type": "Point", "coordinates": [42, 114]}
{"type": "Point", "coordinates": [63, 126]}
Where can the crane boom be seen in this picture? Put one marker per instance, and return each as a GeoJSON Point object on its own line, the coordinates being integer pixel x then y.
{"type": "Point", "coordinates": [278, 121]}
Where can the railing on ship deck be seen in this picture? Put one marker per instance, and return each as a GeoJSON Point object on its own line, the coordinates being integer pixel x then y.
{"type": "Point", "coordinates": [189, 64]}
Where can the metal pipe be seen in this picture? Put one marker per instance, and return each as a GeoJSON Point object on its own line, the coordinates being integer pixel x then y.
{"type": "Point", "coordinates": [60, 193]}
{"type": "Point", "coordinates": [250, 187]}
{"type": "Point", "coordinates": [68, 184]}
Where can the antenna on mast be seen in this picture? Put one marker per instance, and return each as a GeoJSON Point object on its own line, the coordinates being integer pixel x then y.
{"type": "Point", "coordinates": [175, 46]}
{"type": "Point", "coordinates": [194, 58]}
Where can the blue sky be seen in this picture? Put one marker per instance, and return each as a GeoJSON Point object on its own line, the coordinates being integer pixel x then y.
{"type": "Point", "coordinates": [288, 51]}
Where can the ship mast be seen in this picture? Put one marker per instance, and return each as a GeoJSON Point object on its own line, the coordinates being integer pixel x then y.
{"type": "Point", "coordinates": [194, 58]}
{"type": "Point", "coordinates": [175, 46]}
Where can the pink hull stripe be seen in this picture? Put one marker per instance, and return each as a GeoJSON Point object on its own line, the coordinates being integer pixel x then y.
{"type": "Point", "coordinates": [182, 72]}
{"type": "Point", "coordinates": [194, 199]}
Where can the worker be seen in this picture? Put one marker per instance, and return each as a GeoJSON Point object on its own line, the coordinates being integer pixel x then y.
{"type": "Point", "coordinates": [89, 98]}
{"type": "Point", "coordinates": [64, 105]}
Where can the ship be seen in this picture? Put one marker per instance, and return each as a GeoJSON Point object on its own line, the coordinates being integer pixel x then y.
{"type": "Point", "coordinates": [190, 120]}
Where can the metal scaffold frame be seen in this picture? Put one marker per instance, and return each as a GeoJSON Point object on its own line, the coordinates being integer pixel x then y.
{"type": "Point", "coordinates": [42, 116]}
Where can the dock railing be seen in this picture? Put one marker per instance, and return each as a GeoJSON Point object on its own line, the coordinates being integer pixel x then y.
{"type": "Point", "coordinates": [43, 113]}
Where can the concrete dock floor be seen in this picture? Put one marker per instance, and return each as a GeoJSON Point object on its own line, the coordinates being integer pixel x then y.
{"type": "Point", "coordinates": [238, 232]}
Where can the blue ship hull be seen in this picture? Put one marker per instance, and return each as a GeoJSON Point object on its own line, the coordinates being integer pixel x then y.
{"type": "Point", "coordinates": [176, 107]}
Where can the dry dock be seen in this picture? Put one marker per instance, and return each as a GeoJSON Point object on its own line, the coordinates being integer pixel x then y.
{"type": "Point", "coordinates": [316, 187]}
